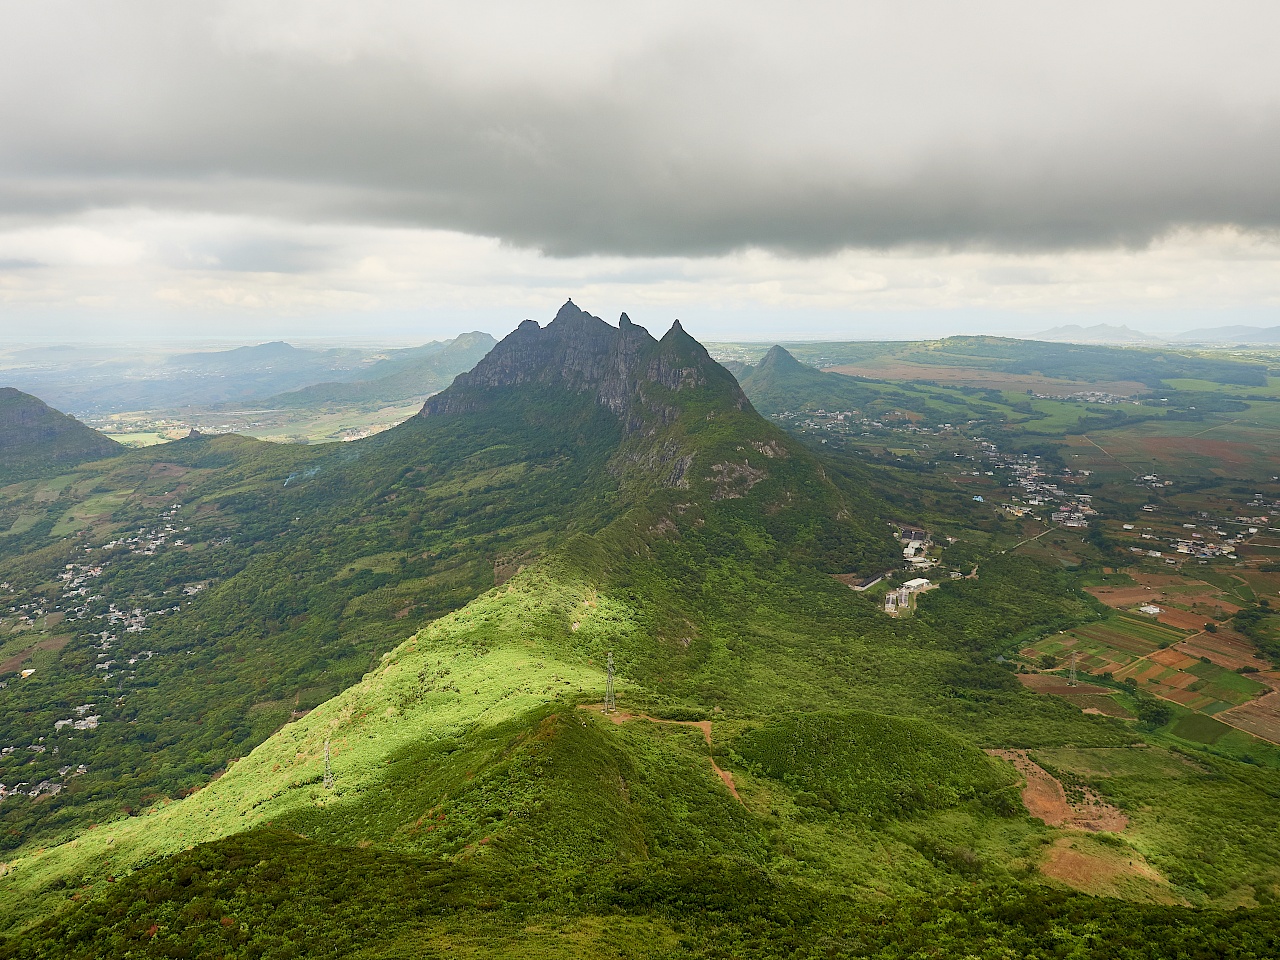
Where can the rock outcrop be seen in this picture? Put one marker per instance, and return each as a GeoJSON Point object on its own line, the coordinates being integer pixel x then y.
{"type": "Point", "coordinates": [624, 367]}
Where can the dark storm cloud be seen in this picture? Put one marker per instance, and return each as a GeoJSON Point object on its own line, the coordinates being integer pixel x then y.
{"type": "Point", "coordinates": [799, 129]}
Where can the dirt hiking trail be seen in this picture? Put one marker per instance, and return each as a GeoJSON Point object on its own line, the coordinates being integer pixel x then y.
{"type": "Point", "coordinates": [621, 717]}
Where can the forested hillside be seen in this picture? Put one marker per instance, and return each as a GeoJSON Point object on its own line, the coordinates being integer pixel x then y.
{"type": "Point", "coordinates": [397, 661]}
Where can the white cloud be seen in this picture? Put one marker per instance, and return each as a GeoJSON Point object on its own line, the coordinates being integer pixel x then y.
{"type": "Point", "coordinates": [309, 164]}
{"type": "Point", "coordinates": [169, 271]}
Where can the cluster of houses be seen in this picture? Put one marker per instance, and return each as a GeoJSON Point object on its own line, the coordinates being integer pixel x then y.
{"type": "Point", "coordinates": [148, 542]}
{"type": "Point", "coordinates": [850, 422]}
{"type": "Point", "coordinates": [78, 602]}
{"type": "Point", "coordinates": [81, 721]}
{"type": "Point", "coordinates": [899, 601]}
{"type": "Point", "coordinates": [1086, 396]}
{"type": "Point", "coordinates": [915, 547]}
{"type": "Point", "coordinates": [1219, 542]}
{"type": "Point", "coordinates": [45, 787]}
{"type": "Point", "coordinates": [1039, 489]}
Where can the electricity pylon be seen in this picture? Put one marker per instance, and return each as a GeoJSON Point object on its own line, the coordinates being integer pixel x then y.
{"type": "Point", "coordinates": [610, 704]}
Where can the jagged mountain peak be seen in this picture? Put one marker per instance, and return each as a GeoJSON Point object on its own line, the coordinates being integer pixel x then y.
{"type": "Point", "coordinates": [584, 354]}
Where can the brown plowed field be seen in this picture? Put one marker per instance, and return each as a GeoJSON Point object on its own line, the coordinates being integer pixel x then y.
{"type": "Point", "coordinates": [1106, 872]}
{"type": "Point", "coordinates": [1122, 596]}
{"type": "Point", "coordinates": [1172, 657]}
{"type": "Point", "coordinates": [21, 657]}
{"type": "Point", "coordinates": [1260, 717]}
{"type": "Point", "coordinates": [1169, 593]}
{"type": "Point", "coordinates": [1224, 649]}
{"type": "Point", "coordinates": [1182, 619]}
{"type": "Point", "coordinates": [1049, 683]}
{"type": "Point", "coordinates": [1173, 449]}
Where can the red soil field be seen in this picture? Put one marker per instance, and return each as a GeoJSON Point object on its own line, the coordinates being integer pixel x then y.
{"type": "Point", "coordinates": [1048, 683]}
{"type": "Point", "coordinates": [1183, 619]}
{"type": "Point", "coordinates": [1171, 657]}
{"type": "Point", "coordinates": [1045, 799]}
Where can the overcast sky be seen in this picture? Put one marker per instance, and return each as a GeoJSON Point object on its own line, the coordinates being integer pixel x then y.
{"type": "Point", "coordinates": [840, 169]}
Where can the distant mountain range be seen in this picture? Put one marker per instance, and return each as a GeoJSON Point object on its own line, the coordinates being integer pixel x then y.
{"type": "Point", "coordinates": [1109, 334]}
{"type": "Point", "coordinates": [1099, 333]}
{"type": "Point", "coordinates": [409, 375]}
{"type": "Point", "coordinates": [1235, 334]}
{"type": "Point", "coordinates": [95, 381]}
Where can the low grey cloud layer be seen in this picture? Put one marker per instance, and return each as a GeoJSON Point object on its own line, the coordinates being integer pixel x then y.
{"type": "Point", "coordinates": [682, 129]}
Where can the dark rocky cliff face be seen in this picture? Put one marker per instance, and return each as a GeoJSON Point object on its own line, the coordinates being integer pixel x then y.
{"type": "Point", "coordinates": [621, 366]}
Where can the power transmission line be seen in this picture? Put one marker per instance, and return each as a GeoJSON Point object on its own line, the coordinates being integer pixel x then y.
{"type": "Point", "coordinates": [610, 704]}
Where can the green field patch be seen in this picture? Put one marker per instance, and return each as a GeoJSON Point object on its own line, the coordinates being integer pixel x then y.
{"type": "Point", "coordinates": [50, 490]}
{"type": "Point", "coordinates": [1200, 729]}
{"type": "Point", "coordinates": [377, 563]}
{"type": "Point", "coordinates": [1217, 706]}
{"type": "Point", "coordinates": [22, 523]}
{"type": "Point", "coordinates": [1225, 679]}
{"type": "Point", "coordinates": [1107, 637]}
{"type": "Point", "coordinates": [139, 439]}
{"type": "Point", "coordinates": [1148, 630]}
{"type": "Point", "coordinates": [94, 508]}
{"type": "Point", "coordinates": [1114, 762]}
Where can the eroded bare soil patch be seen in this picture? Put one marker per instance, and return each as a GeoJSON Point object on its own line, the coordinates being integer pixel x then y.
{"type": "Point", "coordinates": [1046, 800]}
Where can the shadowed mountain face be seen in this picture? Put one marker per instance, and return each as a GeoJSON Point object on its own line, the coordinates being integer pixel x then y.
{"type": "Point", "coordinates": [627, 370]}
{"type": "Point", "coordinates": [36, 440]}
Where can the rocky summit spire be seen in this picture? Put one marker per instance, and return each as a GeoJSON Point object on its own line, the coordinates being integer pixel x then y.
{"type": "Point", "coordinates": [622, 366]}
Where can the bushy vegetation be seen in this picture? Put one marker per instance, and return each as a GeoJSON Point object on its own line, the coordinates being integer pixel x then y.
{"type": "Point", "coordinates": [273, 895]}
{"type": "Point", "coordinates": [871, 765]}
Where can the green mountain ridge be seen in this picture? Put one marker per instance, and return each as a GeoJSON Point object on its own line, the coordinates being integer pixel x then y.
{"type": "Point", "coordinates": [36, 440]}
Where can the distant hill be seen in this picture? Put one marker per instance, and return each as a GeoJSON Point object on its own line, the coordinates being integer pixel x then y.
{"type": "Point", "coordinates": [105, 381]}
{"type": "Point", "coordinates": [1234, 334]}
{"type": "Point", "coordinates": [36, 440]}
{"type": "Point", "coordinates": [1100, 333]}
{"type": "Point", "coordinates": [780, 382]}
{"type": "Point", "coordinates": [423, 372]}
